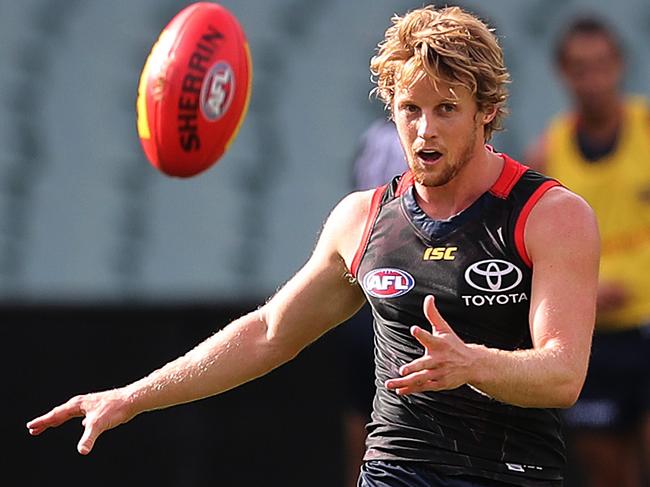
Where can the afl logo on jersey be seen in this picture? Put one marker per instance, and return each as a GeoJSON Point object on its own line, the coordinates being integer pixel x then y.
{"type": "Point", "coordinates": [493, 275]}
{"type": "Point", "coordinates": [388, 283]}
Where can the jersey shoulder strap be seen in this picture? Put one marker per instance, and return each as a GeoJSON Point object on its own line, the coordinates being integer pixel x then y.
{"type": "Point", "coordinates": [380, 197]}
{"type": "Point", "coordinates": [527, 192]}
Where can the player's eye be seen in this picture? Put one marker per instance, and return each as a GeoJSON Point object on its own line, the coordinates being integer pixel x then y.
{"type": "Point", "coordinates": [409, 108]}
{"type": "Point", "coordinates": [447, 107]}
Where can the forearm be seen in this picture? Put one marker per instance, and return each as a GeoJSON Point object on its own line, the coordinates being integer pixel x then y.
{"type": "Point", "coordinates": [316, 299]}
{"type": "Point", "coordinates": [237, 354]}
{"type": "Point", "coordinates": [527, 378]}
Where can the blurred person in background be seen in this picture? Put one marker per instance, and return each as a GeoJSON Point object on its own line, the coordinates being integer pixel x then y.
{"type": "Point", "coordinates": [380, 156]}
{"type": "Point", "coordinates": [378, 160]}
{"type": "Point", "coordinates": [601, 150]}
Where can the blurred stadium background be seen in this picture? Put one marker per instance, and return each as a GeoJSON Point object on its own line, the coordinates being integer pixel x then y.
{"type": "Point", "coordinates": [109, 269]}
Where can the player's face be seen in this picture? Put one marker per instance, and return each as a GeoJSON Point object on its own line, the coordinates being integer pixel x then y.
{"type": "Point", "coordinates": [438, 129]}
{"type": "Point", "coordinates": [592, 69]}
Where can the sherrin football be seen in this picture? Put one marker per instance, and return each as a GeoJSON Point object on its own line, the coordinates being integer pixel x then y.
{"type": "Point", "coordinates": [194, 90]}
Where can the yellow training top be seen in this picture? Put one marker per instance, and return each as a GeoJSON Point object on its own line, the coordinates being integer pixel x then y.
{"type": "Point", "coordinates": [618, 189]}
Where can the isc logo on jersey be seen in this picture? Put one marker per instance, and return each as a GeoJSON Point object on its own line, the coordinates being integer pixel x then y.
{"type": "Point", "coordinates": [388, 283]}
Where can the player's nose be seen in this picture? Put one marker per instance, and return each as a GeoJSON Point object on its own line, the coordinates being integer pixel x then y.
{"type": "Point", "coordinates": [426, 126]}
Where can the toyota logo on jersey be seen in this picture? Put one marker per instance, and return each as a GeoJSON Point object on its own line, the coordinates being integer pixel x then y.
{"type": "Point", "coordinates": [388, 283]}
{"type": "Point", "coordinates": [493, 275]}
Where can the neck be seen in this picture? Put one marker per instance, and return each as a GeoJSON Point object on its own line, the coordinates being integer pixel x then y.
{"type": "Point", "coordinates": [601, 125]}
{"type": "Point", "coordinates": [474, 178]}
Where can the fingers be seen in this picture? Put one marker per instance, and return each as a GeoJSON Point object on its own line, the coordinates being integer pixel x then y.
{"type": "Point", "coordinates": [426, 373]}
{"type": "Point", "coordinates": [422, 363]}
{"type": "Point", "coordinates": [428, 386]}
{"type": "Point", "coordinates": [100, 413]}
{"type": "Point", "coordinates": [411, 379]}
{"type": "Point", "coordinates": [87, 441]}
{"type": "Point", "coordinates": [55, 417]}
{"type": "Point", "coordinates": [423, 380]}
{"type": "Point", "coordinates": [438, 323]}
{"type": "Point", "coordinates": [426, 339]}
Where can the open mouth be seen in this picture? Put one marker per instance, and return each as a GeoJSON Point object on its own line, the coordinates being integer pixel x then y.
{"type": "Point", "coordinates": [429, 156]}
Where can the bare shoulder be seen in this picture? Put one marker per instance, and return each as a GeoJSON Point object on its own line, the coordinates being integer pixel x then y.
{"type": "Point", "coordinates": [562, 221]}
{"type": "Point", "coordinates": [355, 205]}
{"type": "Point", "coordinates": [345, 226]}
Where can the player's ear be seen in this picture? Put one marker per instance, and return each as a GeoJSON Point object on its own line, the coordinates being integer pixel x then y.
{"type": "Point", "coordinates": [487, 114]}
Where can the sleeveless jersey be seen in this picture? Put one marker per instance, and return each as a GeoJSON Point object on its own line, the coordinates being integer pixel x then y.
{"type": "Point", "coordinates": [476, 266]}
{"type": "Point", "coordinates": [618, 189]}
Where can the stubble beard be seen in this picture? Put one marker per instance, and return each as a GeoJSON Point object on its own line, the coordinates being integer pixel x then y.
{"type": "Point", "coordinates": [450, 171]}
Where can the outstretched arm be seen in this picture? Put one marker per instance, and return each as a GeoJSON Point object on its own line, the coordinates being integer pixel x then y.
{"type": "Point", "coordinates": [562, 241]}
{"type": "Point", "coordinates": [316, 299]}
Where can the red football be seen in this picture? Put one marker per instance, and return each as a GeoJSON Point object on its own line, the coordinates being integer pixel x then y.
{"type": "Point", "coordinates": [194, 90]}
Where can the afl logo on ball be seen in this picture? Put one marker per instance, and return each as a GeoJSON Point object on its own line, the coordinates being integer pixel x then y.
{"type": "Point", "coordinates": [493, 275]}
{"type": "Point", "coordinates": [388, 283]}
{"type": "Point", "coordinates": [217, 91]}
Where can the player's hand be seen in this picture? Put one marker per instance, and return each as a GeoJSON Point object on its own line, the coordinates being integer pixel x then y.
{"type": "Point", "coordinates": [101, 411]}
{"type": "Point", "coordinates": [446, 362]}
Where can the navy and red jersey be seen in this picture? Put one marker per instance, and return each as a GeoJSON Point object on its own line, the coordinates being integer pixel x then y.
{"type": "Point", "coordinates": [475, 264]}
